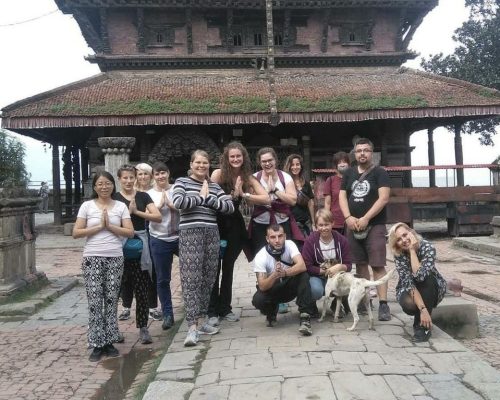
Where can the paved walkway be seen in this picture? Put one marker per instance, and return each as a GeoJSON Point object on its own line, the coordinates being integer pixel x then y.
{"type": "Point", "coordinates": [247, 360]}
{"type": "Point", "coordinates": [45, 356]}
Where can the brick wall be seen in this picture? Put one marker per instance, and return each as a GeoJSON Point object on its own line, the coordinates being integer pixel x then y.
{"type": "Point", "coordinates": [123, 34]}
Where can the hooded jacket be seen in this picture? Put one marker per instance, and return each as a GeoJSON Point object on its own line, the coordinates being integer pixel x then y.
{"type": "Point", "coordinates": [313, 256]}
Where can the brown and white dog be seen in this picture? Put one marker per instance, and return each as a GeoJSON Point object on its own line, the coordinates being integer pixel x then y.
{"type": "Point", "coordinates": [346, 284]}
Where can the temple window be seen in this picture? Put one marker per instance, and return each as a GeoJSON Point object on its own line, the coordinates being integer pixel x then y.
{"type": "Point", "coordinates": [257, 39]}
{"type": "Point", "coordinates": [237, 40]}
{"type": "Point", "coordinates": [353, 34]}
{"type": "Point", "coordinates": [159, 35]}
{"type": "Point", "coordinates": [278, 39]}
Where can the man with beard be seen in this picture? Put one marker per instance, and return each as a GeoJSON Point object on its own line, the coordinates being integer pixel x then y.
{"type": "Point", "coordinates": [281, 277]}
{"type": "Point", "coordinates": [363, 197]}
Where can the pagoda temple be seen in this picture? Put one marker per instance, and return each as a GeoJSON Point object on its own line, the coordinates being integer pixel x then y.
{"type": "Point", "coordinates": [299, 75]}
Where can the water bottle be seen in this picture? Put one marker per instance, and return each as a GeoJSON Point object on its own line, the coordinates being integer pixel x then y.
{"type": "Point", "coordinates": [222, 250]}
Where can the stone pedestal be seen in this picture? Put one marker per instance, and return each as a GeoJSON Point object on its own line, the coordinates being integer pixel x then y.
{"type": "Point", "coordinates": [17, 245]}
{"type": "Point", "coordinates": [116, 153]}
{"type": "Point", "coordinates": [495, 223]}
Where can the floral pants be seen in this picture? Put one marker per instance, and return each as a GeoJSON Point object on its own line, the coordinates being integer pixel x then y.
{"type": "Point", "coordinates": [102, 277]}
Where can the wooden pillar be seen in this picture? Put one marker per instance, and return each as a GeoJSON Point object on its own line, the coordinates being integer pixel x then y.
{"type": "Point", "coordinates": [56, 183]}
{"type": "Point", "coordinates": [189, 30]}
{"type": "Point", "coordinates": [430, 152]}
{"type": "Point", "coordinates": [306, 143]}
{"type": "Point", "coordinates": [141, 42]}
{"type": "Point", "coordinates": [229, 26]}
{"type": "Point", "coordinates": [75, 158]}
{"type": "Point", "coordinates": [84, 154]}
{"type": "Point", "coordinates": [67, 175]}
{"type": "Point", "coordinates": [324, 31]}
{"type": "Point", "coordinates": [459, 155]}
{"type": "Point", "coordinates": [103, 16]}
{"type": "Point", "coordinates": [286, 30]}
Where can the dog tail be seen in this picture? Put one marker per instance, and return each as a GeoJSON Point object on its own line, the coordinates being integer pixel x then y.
{"type": "Point", "coordinates": [381, 281]}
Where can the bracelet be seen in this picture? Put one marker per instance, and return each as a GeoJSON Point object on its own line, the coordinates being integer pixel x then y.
{"type": "Point", "coordinates": [423, 308]}
{"type": "Point", "coordinates": [346, 218]}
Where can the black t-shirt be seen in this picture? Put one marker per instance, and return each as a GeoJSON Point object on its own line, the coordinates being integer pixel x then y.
{"type": "Point", "coordinates": [301, 213]}
{"type": "Point", "coordinates": [142, 199]}
{"type": "Point", "coordinates": [366, 193]}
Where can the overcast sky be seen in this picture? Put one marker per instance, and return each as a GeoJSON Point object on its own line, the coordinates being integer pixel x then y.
{"type": "Point", "coordinates": [48, 52]}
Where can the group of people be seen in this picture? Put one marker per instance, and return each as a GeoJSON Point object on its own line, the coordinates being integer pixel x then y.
{"type": "Point", "coordinates": [293, 248]}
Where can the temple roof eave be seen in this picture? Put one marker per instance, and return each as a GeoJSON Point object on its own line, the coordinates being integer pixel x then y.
{"type": "Point", "coordinates": [139, 98]}
{"type": "Point", "coordinates": [36, 123]}
{"type": "Point", "coordinates": [68, 6]}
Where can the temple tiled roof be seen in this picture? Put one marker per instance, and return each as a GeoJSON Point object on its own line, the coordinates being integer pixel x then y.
{"type": "Point", "coordinates": [242, 96]}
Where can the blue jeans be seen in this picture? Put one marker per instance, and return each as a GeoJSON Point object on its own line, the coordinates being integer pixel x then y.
{"type": "Point", "coordinates": [317, 287]}
{"type": "Point", "coordinates": [162, 253]}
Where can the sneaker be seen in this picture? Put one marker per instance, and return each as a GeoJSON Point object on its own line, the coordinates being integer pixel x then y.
{"type": "Point", "coordinates": [283, 308]}
{"type": "Point", "coordinates": [231, 317]}
{"type": "Point", "coordinates": [207, 329]}
{"type": "Point", "coordinates": [421, 334]}
{"type": "Point", "coordinates": [110, 351]}
{"type": "Point", "coordinates": [192, 338]}
{"type": "Point", "coordinates": [271, 318]}
{"type": "Point", "coordinates": [96, 354]}
{"type": "Point", "coordinates": [305, 324]}
{"type": "Point", "coordinates": [213, 321]}
{"type": "Point", "coordinates": [120, 338]}
{"type": "Point", "coordinates": [384, 312]}
{"type": "Point", "coordinates": [144, 336]}
{"type": "Point", "coordinates": [154, 314]}
{"type": "Point", "coordinates": [315, 314]}
{"type": "Point", "coordinates": [362, 309]}
{"type": "Point", "coordinates": [168, 322]}
{"type": "Point", "coordinates": [124, 315]}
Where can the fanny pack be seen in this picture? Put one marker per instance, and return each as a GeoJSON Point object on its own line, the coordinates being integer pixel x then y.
{"type": "Point", "coordinates": [362, 235]}
{"type": "Point", "coordinates": [132, 248]}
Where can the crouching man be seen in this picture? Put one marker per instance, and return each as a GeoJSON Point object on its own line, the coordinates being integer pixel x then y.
{"type": "Point", "coordinates": [281, 277]}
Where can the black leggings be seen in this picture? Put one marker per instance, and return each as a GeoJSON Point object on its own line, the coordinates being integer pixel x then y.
{"type": "Point", "coordinates": [428, 289]}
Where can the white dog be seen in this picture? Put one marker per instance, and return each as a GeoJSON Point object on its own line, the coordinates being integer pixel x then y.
{"type": "Point", "coordinates": [346, 284]}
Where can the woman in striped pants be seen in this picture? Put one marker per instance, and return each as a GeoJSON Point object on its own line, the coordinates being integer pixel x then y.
{"type": "Point", "coordinates": [199, 200]}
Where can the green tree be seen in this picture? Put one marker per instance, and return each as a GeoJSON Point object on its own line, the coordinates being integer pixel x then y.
{"type": "Point", "coordinates": [12, 169]}
{"type": "Point", "coordinates": [476, 58]}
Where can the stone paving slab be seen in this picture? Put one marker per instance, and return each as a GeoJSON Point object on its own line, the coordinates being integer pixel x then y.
{"type": "Point", "coordinates": [248, 360]}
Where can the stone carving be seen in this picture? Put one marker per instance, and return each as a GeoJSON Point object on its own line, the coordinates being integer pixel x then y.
{"type": "Point", "coordinates": [181, 143]}
{"type": "Point", "coordinates": [116, 145]}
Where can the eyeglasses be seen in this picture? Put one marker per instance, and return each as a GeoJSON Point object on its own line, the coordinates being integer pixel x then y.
{"type": "Point", "coordinates": [106, 184]}
{"type": "Point", "coordinates": [267, 161]}
{"type": "Point", "coordinates": [359, 151]}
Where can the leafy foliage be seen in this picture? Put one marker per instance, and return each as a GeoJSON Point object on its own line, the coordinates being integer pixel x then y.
{"type": "Point", "coordinates": [12, 169]}
{"type": "Point", "coordinates": [476, 58]}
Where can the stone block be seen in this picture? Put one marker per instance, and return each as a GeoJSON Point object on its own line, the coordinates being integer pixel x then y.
{"type": "Point", "coordinates": [495, 223]}
{"type": "Point", "coordinates": [457, 317]}
{"type": "Point", "coordinates": [167, 390]}
{"type": "Point", "coordinates": [68, 228]}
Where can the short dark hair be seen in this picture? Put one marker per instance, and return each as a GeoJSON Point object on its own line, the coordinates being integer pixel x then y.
{"type": "Point", "coordinates": [364, 141]}
{"type": "Point", "coordinates": [160, 166]}
{"type": "Point", "coordinates": [274, 227]}
{"type": "Point", "coordinates": [108, 176]}
{"type": "Point", "coordinates": [340, 156]}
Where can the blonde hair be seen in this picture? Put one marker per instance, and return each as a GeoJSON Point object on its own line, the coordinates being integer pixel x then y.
{"type": "Point", "coordinates": [144, 167]}
{"type": "Point", "coordinates": [324, 214]}
{"type": "Point", "coordinates": [392, 239]}
{"type": "Point", "coordinates": [200, 153]}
